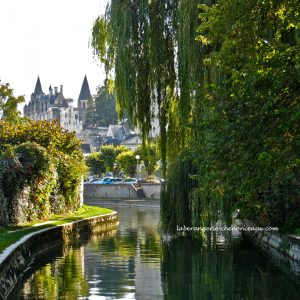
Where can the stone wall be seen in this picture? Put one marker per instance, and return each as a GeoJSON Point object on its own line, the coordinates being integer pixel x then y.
{"type": "Point", "coordinates": [109, 191]}
{"type": "Point", "coordinates": [14, 261]}
{"type": "Point", "coordinates": [284, 247]}
{"type": "Point", "coordinates": [21, 206]}
{"type": "Point", "coordinates": [122, 191]}
{"type": "Point", "coordinates": [151, 190]}
{"type": "Point", "coordinates": [3, 208]}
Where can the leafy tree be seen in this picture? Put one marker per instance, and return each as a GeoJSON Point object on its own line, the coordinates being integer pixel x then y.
{"type": "Point", "coordinates": [109, 154]}
{"type": "Point", "coordinates": [9, 104]}
{"type": "Point", "coordinates": [120, 149]}
{"type": "Point", "coordinates": [135, 41]}
{"type": "Point", "coordinates": [91, 113]}
{"type": "Point", "coordinates": [127, 163]}
{"type": "Point", "coordinates": [105, 108]}
{"type": "Point", "coordinates": [226, 88]}
{"type": "Point", "coordinates": [150, 156]}
{"type": "Point", "coordinates": [255, 103]}
{"type": "Point", "coordinates": [96, 164]}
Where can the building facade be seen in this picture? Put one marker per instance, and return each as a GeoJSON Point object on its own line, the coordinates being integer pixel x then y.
{"type": "Point", "coordinates": [54, 106]}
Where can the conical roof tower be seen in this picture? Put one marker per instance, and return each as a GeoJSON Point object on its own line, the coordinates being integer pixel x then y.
{"type": "Point", "coordinates": [38, 87]}
{"type": "Point", "coordinates": [85, 93]}
{"type": "Point", "coordinates": [83, 99]}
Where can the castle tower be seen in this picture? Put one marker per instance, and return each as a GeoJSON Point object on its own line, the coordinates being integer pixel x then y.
{"type": "Point", "coordinates": [38, 87]}
{"type": "Point", "coordinates": [84, 97]}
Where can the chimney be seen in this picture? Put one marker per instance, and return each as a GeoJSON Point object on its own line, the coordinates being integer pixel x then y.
{"type": "Point", "coordinates": [61, 89]}
{"type": "Point", "coordinates": [55, 90]}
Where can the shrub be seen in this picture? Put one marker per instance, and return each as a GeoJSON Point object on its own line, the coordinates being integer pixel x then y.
{"type": "Point", "coordinates": [150, 156]}
{"type": "Point", "coordinates": [95, 164]}
{"type": "Point", "coordinates": [127, 163]}
{"type": "Point", "coordinates": [28, 166]}
{"type": "Point", "coordinates": [109, 154]}
{"type": "Point", "coordinates": [45, 161]}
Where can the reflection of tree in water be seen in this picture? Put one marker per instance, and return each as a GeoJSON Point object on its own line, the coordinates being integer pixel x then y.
{"type": "Point", "coordinates": [113, 264]}
{"type": "Point", "coordinates": [63, 278]}
{"type": "Point", "coordinates": [150, 246]}
{"type": "Point", "coordinates": [115, 258]}
{"type": "Point", "coordinates": [192, 271]}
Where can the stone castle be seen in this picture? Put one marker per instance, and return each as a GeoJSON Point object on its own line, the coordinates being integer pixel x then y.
{"type": "Point", "coordinates": [54, 106]}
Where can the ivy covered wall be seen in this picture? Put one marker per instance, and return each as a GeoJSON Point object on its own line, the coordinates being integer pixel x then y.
{"type": "Point", "coordinates": [41, 167]}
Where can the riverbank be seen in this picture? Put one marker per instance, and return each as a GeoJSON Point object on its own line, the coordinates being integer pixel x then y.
{"type": "Point", "coordinates": [285, 247]}
{"type": "Point", "coordinates": [29, 241]}
{"type": "Point", "coordinates": [10, 235]}
{"type": "Point", "coordinates": [136, 261]}
{"type": "Point", "coordinates": [115, 203]}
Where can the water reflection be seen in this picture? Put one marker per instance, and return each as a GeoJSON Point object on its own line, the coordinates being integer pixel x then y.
{"type": "Point", "coordinates": [238, 273]}
{"type": "Point", "coordinates": [134, 263]}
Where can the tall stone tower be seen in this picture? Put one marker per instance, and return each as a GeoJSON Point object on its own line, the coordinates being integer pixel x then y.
{"type": "Point", "coordinates": [84, 97]}
{"type": "Point", "coordinates": [38, 87]}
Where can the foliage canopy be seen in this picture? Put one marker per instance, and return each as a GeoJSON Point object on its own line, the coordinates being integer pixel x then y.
{"type": "Point", "coordinates": [44, 160]}
{"type": "Point", "coordinates": [224, 75]}
{"type": "Point", "coordinates": [9, 103]}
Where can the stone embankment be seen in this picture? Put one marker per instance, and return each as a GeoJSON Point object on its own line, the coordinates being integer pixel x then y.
{"type": "Point", "coordinates": [15, 260]}
{"type": "Point", "coordinates": [285, 247]}
{"type": "Point", "coordinates": [122, 191]}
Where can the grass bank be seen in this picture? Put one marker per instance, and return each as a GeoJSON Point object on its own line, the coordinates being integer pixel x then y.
{"type": "Point", "coordinates": [10, 235]}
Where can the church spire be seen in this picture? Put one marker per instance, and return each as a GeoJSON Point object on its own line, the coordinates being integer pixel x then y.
{"type": "Point", "coordinates": [85, 93]}
{"type": "Point", "coordinates": [38, 87]}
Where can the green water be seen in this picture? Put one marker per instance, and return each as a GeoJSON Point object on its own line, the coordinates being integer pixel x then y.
{"type": "Point", "coordinates": [135, 262]}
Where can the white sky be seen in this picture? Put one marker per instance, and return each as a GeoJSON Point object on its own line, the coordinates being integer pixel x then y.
{"type": "Point", "coordinates": [49, 38]}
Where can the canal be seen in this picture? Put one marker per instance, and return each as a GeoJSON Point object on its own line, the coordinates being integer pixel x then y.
{"type": "Point", "coordinates": [136, 262]}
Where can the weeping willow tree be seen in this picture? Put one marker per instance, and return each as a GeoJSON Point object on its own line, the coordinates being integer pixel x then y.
{"type": "Point", "coordinates": [151, 55]}
{"type": "Point", "coordinates": [135, 41]}
{"type": "Point", "coordinates": [223, 76]}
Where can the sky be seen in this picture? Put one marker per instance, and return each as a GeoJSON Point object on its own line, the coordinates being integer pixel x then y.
{"type": "Point", "coordinates": [50, 39]}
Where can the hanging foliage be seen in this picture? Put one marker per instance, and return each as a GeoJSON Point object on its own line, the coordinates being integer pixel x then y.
{"type": "Point", "coordinates": [176, 206]}
{"type": "Point", "coordinates": [223, 76]}
{"type": "Point", "coordinates": [135, 39]}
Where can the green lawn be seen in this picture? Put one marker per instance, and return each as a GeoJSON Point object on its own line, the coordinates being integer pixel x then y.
{"type": "Point", "coordinates": [9, 235]}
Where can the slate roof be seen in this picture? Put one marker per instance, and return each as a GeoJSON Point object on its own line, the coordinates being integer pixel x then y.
{"type": "Point", "coordinates": [117, 131]}
{"type": "Point", "coordinates": [130, 136]}
{"type": "Point", "coordinates": [85, 93]}
{"type": "Point", "coordinates": [86, 148]}
{"type": "Point", "coordinates": [38, 87]}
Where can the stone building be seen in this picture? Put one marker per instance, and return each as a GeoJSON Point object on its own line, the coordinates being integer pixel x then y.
{"type": "Point", "coordinates": [54, 106]}
{"type": "Point", "coordinates": [84, 97]}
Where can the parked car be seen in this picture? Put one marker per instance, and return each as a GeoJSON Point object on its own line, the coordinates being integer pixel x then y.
{"type": "Point", "coordinates": [113, 180]}
{"type": "Point", "coordinates": [129, 180]}
{"type": "Point", "coordinates": [103, 180]}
